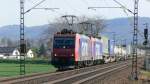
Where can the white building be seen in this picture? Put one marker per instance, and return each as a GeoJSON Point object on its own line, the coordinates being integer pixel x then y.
{"type": "Point", "coordinates": [9, 53]}
{"type": "Point", "coordinates": [30, 54]}
{"type": "Point", "coordinates": [13, 53]}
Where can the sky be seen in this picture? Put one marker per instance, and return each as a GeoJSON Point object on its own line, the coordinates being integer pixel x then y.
{"type": "Point", "coordinates": [10, 10]}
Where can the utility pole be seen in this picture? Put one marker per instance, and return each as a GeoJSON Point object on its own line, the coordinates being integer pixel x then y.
{"type": "Point", "coordinates": [22, 40]}
{"type": "Point", "coordinates": [134, 72]}
{"type": "Point", "coordinates": [22, 33]}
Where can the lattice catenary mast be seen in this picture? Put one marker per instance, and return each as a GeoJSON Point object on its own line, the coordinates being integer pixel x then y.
{"type": "Point", "coordinates": [135, 42]}
{"type": "Point", "coordinates": [22, 40]}
{"type": "Point", "coordinates": [134, 72]}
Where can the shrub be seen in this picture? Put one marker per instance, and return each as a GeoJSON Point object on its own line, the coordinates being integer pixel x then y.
{"type": "Point", "coordinates": [28, 61]}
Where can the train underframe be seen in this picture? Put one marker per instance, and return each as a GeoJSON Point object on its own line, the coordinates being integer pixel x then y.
{"type": "Point", "coordinates": [64, 63]}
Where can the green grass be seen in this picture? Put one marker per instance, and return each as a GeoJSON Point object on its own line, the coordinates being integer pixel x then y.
{"type": "Point", "coordinates": [146, 73]}
{"type": "Point", "coordinates": [9, 70]}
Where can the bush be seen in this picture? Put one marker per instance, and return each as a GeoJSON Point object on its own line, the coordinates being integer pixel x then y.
{"type": "Point", "coordinates": [28, 61]}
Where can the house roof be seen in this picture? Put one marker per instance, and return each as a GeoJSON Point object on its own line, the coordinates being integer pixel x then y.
{"type": "Point", "coordinates": [7, 49]}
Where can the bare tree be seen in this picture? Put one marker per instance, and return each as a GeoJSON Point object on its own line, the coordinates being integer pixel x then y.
{"type": "Point", "coordinates": [99, 25]}
{"type": "Point", "coordinates": [61, 23]}
{"type": "Point", "coordinates": [94, 25]}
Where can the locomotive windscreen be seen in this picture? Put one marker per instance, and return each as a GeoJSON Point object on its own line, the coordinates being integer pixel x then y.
{"type": "Point", "coordinates": [64, 42]}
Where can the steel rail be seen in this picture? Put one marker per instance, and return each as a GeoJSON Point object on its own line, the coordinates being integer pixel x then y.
{"type": "Point", "coordinates": [51, 76]}
{"type": "Point", "coordinates": [80, 76]}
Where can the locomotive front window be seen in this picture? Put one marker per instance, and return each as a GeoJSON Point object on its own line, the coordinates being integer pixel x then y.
{"type": "Point", "coordinates": [64, 42]}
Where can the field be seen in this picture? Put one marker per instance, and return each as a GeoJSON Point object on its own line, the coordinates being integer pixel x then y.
{"type": "Point", "coordinates": [9, 70]}
{"type": "Point", "coordinates": [146, 73]}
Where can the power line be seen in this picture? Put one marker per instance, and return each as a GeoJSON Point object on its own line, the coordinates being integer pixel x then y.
{"type": "Point", "coordinates": [61, 14]}
{"type": "Point", "coordinates": [52, 9]}
{"type": "Point", "coordinates": [103, 7]}
{"type": "Point", "coordinates": [123, 6]}
{"type": "Point", "coordinates": [34, 6]}
{"type": "Point", "coordinates": [125, 11]}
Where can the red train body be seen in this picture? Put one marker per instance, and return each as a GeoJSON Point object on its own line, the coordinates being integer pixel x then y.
{"type": "Point", "coordinates": [76, 50]}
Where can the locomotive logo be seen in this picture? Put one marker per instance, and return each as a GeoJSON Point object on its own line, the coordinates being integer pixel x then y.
{"type": "Point", "coordinates": [84, 48]}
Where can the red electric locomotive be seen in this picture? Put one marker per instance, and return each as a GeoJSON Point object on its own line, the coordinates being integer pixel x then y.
{"type": "Point", "coordinates": [71, 50]}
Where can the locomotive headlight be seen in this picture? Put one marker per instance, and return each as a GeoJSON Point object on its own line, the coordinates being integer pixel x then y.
{"type": "Point", "coordinates": [55, 54]}
{"type": "Point", "coordinates": [72, 55]}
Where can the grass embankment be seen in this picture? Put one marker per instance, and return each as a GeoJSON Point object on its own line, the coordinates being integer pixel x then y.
{"type": "Point", "coordinates": [146, 73]}
{"type": "Point", "coordinates": [11, 69]}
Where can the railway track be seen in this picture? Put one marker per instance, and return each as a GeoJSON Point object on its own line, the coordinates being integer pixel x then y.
{"type": "Point", "coordinates": [55, 77]}
{"type": "Point", "coordinates": [86, 76]}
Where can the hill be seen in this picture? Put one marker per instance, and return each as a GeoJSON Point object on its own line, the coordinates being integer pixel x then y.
{"type": "Point", "coordinates": [123, 27]}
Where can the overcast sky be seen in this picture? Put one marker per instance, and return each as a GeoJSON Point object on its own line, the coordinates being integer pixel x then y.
{"type": "Point", "coordinates": [9, 14]}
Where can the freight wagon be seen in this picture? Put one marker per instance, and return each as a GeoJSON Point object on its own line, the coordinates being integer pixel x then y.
{"type": "Point", "coordinates": [97, 50]}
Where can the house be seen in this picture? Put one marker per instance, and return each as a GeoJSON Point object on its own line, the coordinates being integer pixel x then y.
{"type": "Point", "coordinates": [13, 53]}
{"type": "Point", "coordinates": [9, 53]}
{"type": "Point", "coordinates": [30, 54]}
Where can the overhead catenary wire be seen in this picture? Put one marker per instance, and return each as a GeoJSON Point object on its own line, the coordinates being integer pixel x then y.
{"type": "Point", "coordinates": [52, 9]}
{"type": "Point", "coordinates": [61, 14]}
{"type": "Point", "coordinates": [34, 6]}
{"type": "Point", "coordinates": [130, 20]}
{"type": "Point", "coordinates": [125, 11]}
{"type": "Point", "coordinates": [47, 8]}
{"type": "Point", "coordinates": [123, 6]}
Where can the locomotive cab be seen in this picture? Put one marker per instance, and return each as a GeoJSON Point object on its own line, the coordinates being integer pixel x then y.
{"type": "Point", "coordinates": [63, 50]}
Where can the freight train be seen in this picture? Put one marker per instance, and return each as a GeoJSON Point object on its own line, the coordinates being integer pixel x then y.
{"type": "Point", "coordinates": [73, 50]}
